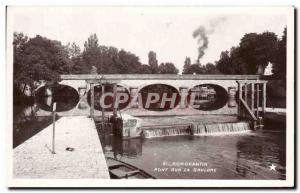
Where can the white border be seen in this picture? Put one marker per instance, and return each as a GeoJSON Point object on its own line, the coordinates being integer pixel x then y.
{"type": "Point", "coordinates": [164, 183]}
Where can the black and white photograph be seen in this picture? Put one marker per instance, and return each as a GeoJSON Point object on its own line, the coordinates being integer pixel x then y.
{"type": "Point", "coordinates": [157, 96]}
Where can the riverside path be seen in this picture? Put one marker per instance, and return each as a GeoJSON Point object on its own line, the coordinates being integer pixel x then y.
{"type": "Point", "coordinates": [78, 152]}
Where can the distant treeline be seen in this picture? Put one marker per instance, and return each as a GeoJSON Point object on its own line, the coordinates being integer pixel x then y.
{"type": "Point", "coordinates": [40, 58]}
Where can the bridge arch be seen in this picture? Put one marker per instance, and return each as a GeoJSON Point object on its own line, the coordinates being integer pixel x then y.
{"type": "Point", "coordinates": [164, 90]}
{"type": "Point", "coordinates": [65, 97]}
{"type": "Point", "coordinates": [108, 87]}
{"type": "Point", "coordinates": [207, 97]}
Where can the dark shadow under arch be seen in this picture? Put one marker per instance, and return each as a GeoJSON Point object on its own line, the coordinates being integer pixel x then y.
{"type": "Point", "coordinates": [109, 99]}
{"type": "Point", "coordinates": [160, 89]}
{"type": "Point", "coordinates": [66, 97]}
{"type": "Point", "coordinates": [208, 96]}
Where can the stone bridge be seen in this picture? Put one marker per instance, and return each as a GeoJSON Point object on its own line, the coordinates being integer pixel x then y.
{"type": "Point", "coordinates": [138, 81]}
{"type": "Point", "coordinates": [134, 83]}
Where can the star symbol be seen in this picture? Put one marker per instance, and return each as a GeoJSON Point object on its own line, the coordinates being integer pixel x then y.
{"type": "Point", "coordinates": [272, 167]}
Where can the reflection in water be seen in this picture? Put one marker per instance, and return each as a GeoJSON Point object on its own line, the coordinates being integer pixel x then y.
{"type": "Point", "coordinates": [66, 98]}
{"type": "Point", "coordinates": [120, 148]}
{"type": "Point", "coordinates": [246, 156]}
{"type": "Point", "coordinates": [26, 124]}
{"type": "Point", "coordinates": [208, 97]}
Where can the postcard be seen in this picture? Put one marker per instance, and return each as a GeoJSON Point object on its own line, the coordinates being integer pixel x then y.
{"type": "Point", "coordinates": [160, 96]}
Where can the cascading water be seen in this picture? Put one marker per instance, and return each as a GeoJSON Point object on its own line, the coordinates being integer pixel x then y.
{"type": "Point", "coordinates": [220, 128]}
{"type": "Point", "coordinates": [167, 131]}
{"type": "Point", "coordinates": [198, 129]}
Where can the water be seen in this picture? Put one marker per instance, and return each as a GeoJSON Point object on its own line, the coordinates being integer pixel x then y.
{"type": "Point", "coordinates": [168, 131]}
{"type": "Point", "coordinates": [236, 156]}
{"type": "Point", "coordinates": [26, 124]}
{"type": "Point", "coordinates": [197, 129]}
{"type": "Point", "coordinates": [239, 156]}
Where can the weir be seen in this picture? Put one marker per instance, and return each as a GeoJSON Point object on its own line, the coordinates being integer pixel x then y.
{"type": "Point", "coordinates": [196, 129]}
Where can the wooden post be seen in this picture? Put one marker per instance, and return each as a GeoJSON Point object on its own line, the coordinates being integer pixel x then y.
{"type": "Point", "coordinates": [239, 99]}
{"type": "Point", "coordinates": [53, 131]}
{"type": "Point", "coordinates": [257, 99]}
{"type": "Point", "coordinates": [114, 100]}
{"type": "Point", "coordinates": [102, 109]}
{"type": "Point", "coordinates": [246, 93]}
{"type": "Point", "coordinates": [92, 100]}
{"type": "Point", "coordinates": [252, 97]}
{"type": "Point", "coordinates": [264, 98]}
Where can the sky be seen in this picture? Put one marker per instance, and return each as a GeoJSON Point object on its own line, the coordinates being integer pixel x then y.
{"type": "Point", "coordinates": [166, 30]}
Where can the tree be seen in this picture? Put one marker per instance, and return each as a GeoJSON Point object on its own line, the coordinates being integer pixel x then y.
{"type": "Point", "coordinates": [257, 50]}
{"type": "Point", "coordinates": [91, 54]}
{"type": "Point", "coordinates": [108, 60]}
{"type": "Point", "coordinates": [167, 68]}
{"type": "Point", "coordinates": [195, 69]}
{"type": "Point", "coordinates": [94, 70]}
{"type": "Point", "coordinates": [224, 63]}
{"type": "Point", "coordinates": [153, 63]}
{"type": "Point", "coordinates": [210, 68]}
{"type": "Point", "coordinates": [73, 50]}
{"type": "Point", "coordinates": [38, 58]}
{"type": "Point", "coordinates": [128, 63]}
{"type": "Point", "coordinates": [187, 64]}
{"type": "Point", "coordinates": [231, 62]}
{"type": "Point", "coordinates": [19, 43]}
{"type": "Point", "coordinates": [144, 69]}
{"type": "Point", "coordinates": [279, 65]}
{"type": "Point", "coordinates": [254, 53]}
{"type": "Point", "coordinates": [91, 43]}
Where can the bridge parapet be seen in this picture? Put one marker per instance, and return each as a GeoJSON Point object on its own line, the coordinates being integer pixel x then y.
{"type": "Point", "coordinates": [138, 81]}
{"type": "Point", "coordinates": [158, 77]}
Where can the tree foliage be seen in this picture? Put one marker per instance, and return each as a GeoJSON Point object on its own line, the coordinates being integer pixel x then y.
{"type": "Point", "coordinates": [258, 49]}
{"type": "Point", "coordinates": [152, 61]}
{"type": "Point", "coordinates": [231, 63]}
{"type": "Point", "coordinates": [167, 68]}
{"type": "Point", "coordinates": [279, 65]}
{"type": "Point", "coordinates": [210, 68]}
{"type": "Point", "coordinates": [107, 60]}
{"type": "Point", "coordinates": [194, 69]}
{"type": "Point", "coordinates": [197, 68]}
{"type": "Point", "coordinates": [38, 58]}
{"type": "Point", "coordinates": [186, 66]}
{"type": "Point", "coordinates": [254, 51]}
{"type": "Point", "coordinates": [145, 69]}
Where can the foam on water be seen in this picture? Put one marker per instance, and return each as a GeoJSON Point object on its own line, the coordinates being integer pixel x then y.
{"type": "Point", "coordinates": [199, 129]}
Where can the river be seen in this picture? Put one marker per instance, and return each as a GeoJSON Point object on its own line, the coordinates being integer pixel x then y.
{"type": "Point", "coordinates": [243, 156]}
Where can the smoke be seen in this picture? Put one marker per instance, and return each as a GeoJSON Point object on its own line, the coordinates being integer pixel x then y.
{"type": "Point", "coordinates": [202, 33]}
